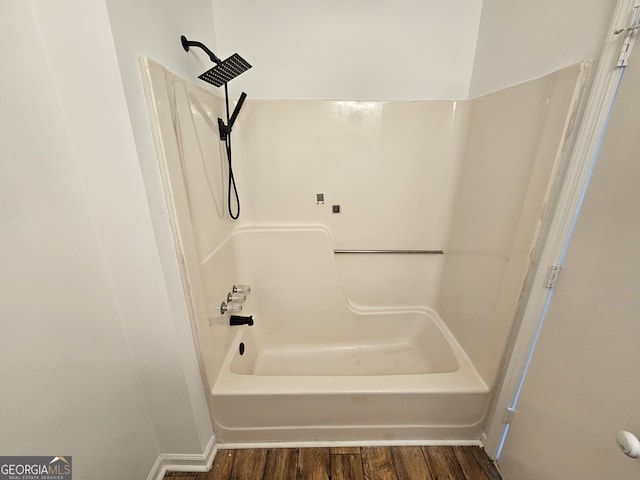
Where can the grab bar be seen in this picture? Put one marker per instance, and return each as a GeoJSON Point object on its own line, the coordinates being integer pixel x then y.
{"type": "Point", "coordinates": [412, 252]}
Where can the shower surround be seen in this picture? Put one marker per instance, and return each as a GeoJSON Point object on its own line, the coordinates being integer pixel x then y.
{"type": "Point", "coordinates": [338, 340]}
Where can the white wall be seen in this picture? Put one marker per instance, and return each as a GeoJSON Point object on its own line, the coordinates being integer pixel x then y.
{"type": "Point", "coordinates": [408, 49]}
{"type": "Point", "coordinates": [70, 384]}
{"type": "Point", "coordinates": [153, 29]}
{"type": "Point", "coordinates": [78, 49]}
{"type": "Point", "coordinates": [404, 50]}
{"type": "Point", "coordinates": [520, 40]}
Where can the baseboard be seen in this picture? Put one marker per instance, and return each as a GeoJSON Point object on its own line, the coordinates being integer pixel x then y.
{"type": "Point", "coordinates": [363, 443]}
{"type": "Point", "coordinates": [172, 462]}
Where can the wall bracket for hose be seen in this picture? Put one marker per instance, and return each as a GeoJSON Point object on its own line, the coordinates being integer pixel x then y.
{"type": "Point", "coordinates": [223, 129]}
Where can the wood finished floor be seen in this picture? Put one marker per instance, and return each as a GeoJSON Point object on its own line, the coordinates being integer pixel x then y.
{"type": "Point", "coordinates": [350, 463]}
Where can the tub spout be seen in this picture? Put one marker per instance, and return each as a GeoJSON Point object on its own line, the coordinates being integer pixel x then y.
{"type": "Point", "coordinates": [239, 320]}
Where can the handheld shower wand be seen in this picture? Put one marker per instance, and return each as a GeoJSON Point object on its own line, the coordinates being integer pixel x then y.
{"type": "Point", "coordinates": [225, 130]}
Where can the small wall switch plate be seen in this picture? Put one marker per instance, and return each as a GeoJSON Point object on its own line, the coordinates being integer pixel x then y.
{"type": "Point", "coordinates": [320, 198]}
{"type": "Point", "coordinates": [335, 208]}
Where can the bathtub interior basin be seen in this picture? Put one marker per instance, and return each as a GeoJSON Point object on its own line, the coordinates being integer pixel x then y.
{"type": "Point", "coordinates": [385, 344]}
{"type": "Point", "coordinates": [384, 377]}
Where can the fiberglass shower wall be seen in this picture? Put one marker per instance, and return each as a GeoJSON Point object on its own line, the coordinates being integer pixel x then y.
{"type": "Point", "coordinates": [191, 162]}
{"type": "Point", "coordinates": [469, 177]}
{"type": "Point", "coordinates": [391, 167]}
{"type": "Point", "coordinates": [518, 144]}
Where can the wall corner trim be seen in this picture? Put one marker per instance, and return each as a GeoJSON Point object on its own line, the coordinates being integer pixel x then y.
{"type": "Point", "coordinates": [186, 462]}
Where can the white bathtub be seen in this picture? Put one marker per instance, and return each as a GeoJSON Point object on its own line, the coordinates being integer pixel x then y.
{"type": "Point", "coordinates": [393, 376]}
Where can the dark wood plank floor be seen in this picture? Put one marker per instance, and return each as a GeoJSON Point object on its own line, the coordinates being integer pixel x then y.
{"type": "Point", "coordinates": [348, 463]}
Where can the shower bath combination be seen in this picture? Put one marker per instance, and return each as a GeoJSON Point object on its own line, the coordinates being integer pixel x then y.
{"type": "Point", "coordinates": [219, 75]}
{"type": "Point", "coordinates": [360, 346]}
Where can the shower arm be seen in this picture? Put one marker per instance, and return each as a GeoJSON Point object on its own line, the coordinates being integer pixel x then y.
{"type": "Point", "coordinates": [191, 43]}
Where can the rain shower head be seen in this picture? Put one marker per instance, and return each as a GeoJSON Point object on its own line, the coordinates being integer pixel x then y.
{"type": "Point", "coordinates": [224, 70]}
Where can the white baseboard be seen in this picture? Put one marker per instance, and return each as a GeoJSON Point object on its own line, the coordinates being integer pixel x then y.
{"type": "Point", "coordinates": [172, 462]}
{"type": "Point", "coordinates": [363, 443]}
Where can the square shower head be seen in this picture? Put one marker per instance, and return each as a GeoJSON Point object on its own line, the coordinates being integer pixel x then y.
{"type": "Point", "coordinates": [225, 70]}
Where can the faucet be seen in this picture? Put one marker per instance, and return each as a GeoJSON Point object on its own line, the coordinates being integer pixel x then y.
{"type": "Point", "coordinates": [239, 320]}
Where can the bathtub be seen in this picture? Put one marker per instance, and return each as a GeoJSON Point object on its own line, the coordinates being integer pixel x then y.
{"type": "Point", "coordinates": [383, 377]}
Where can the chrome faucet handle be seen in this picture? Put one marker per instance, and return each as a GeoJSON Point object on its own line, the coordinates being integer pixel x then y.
{"type": "Point", "coordinates": [236, 297]}
{"type": "Point", "coordinates": [241, 289]}
{"type": "Point", "coordinates": [229, 307]}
